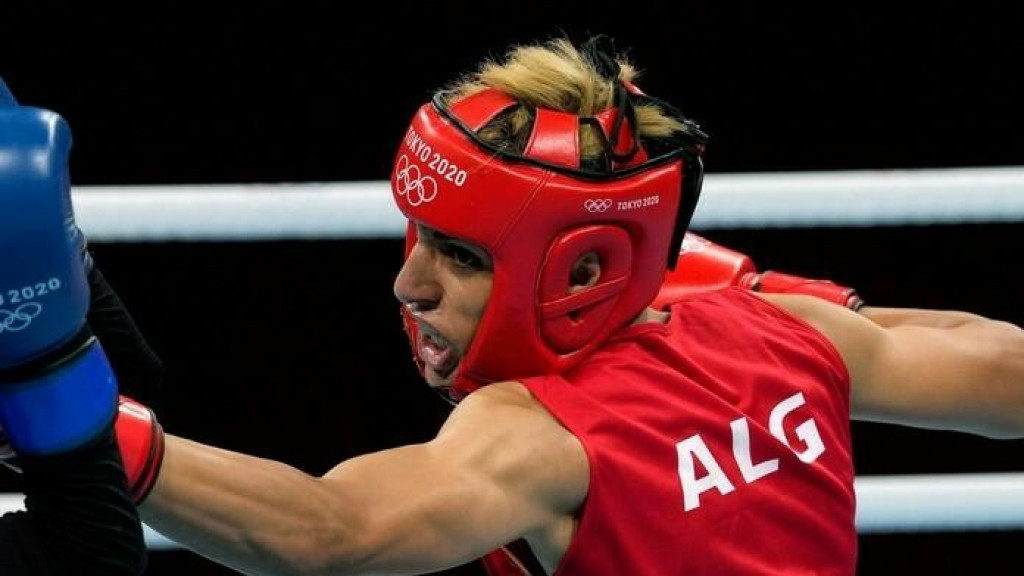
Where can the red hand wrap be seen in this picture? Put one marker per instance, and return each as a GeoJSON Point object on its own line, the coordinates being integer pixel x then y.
{"type": "Point", "coordinates": [141, 440]}
{"type": "Point", "coordinates": [779, 283]}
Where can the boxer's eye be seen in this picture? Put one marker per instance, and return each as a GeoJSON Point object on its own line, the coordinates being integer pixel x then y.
{"type": "Point", "coordinates": [462, 256]}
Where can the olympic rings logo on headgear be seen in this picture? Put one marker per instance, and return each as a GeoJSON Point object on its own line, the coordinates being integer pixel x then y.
{"type": "Point", "coordinates": [20, 318]}
{"type": "Point", "coordinates": [597, 204]}
{"type": "Point", "coordinates": [417, 188]}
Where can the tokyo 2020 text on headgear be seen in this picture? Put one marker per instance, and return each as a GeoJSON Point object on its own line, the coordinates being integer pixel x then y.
{"type": "Point", "coordinates": [538, 211]}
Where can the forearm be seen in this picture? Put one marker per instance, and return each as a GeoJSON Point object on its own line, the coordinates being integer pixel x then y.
{"type": "Point", "coordinates": [254, 515]}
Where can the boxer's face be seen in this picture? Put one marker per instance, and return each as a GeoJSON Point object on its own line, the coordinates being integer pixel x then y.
{"type": "Point", "coordinates": [444, 284]}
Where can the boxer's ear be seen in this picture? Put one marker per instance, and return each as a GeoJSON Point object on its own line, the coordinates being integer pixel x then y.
{"type": "Point", "coordinates": [586, 271]}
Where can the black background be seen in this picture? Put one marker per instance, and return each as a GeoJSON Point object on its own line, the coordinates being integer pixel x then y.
{"type": "Point", "coordinates": [293, 350]}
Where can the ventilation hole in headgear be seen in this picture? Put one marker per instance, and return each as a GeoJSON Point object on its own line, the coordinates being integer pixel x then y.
{"type": "Point", "coordinates": [503, 133]}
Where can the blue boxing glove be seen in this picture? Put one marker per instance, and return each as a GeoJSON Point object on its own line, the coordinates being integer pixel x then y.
{"type": "Point", "coordinates": [57, 390]}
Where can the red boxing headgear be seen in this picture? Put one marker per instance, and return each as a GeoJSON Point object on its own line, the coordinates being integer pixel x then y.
{"type": "Point", "coordinates": [536, 214]}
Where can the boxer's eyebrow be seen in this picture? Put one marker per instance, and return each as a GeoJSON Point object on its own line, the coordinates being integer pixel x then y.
{"type": "Point", "coordinates": [442, 237]}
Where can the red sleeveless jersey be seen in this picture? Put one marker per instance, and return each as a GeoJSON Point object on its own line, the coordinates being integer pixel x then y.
{"type": "Point", "coordinates": [719, 443]}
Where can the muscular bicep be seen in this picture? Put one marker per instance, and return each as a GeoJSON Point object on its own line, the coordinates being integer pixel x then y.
{"type": "Point", "coordinates": [958, 378]}
{"type": "Point", "coordinates": [422, 512]}
{"type": "Point", "coordinates": [494, 474]}
{"type": "Point", "coordinates": [962, 375]}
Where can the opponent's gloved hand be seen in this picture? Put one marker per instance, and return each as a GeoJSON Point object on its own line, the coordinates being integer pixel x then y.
{"type": "Point", "coordinates": [704, 265]}
{"type": "Point", "coordinates": [137, 367]}
{"type": "Point", "coordinates": [140, 440]}
{"type": "Point", "coordinates": [140, 435]}
{"type": "Point", "coordinates": [57, 390]}
{"type": "Point", "coordinates": [58, 393]}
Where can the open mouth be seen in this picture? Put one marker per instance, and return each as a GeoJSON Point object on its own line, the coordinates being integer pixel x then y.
{"type": "Point", "coordinates": [436, 352]}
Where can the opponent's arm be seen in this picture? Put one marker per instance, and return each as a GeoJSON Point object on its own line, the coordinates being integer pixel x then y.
{"type": "Point", "coordinates": [57, 391]}
{"type": "Point", "coordinates": [500, 468]}
{"type": "Point", "coordinates": [927, 368]}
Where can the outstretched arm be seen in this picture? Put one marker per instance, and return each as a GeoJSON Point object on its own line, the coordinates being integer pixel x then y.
{"type": "Point", "coordinates": [928, 368]}
{"type": "Point", "coordinates": [498, 470]}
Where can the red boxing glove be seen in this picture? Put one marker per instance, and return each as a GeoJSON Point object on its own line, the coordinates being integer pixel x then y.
{"type": "Point", "coordinates": [141, 440]}
{"type": "Point", "coordinates": [704, 265]}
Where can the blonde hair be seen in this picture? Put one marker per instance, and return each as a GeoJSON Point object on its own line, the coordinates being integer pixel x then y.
{"type": "Point", "coordinates": [556, 75]}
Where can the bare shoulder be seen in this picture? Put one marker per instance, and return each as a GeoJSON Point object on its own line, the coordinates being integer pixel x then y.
{"type": "Point", "coordinates": [502, 429]}
{"type": "Point", "coordinates": [817, 312]}
{"type": "Point", "coordinates": [503, 403]}
{"type": "Point", "coordinates": [854, 337]}
{"type": "Point", "coordinates": [507, 413]}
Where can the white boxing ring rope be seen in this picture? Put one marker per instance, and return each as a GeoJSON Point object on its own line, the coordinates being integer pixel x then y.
{"type": "Point", "coordinates": [353, 210]}
{"type": "Point", "coordinates": [227, 212]}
